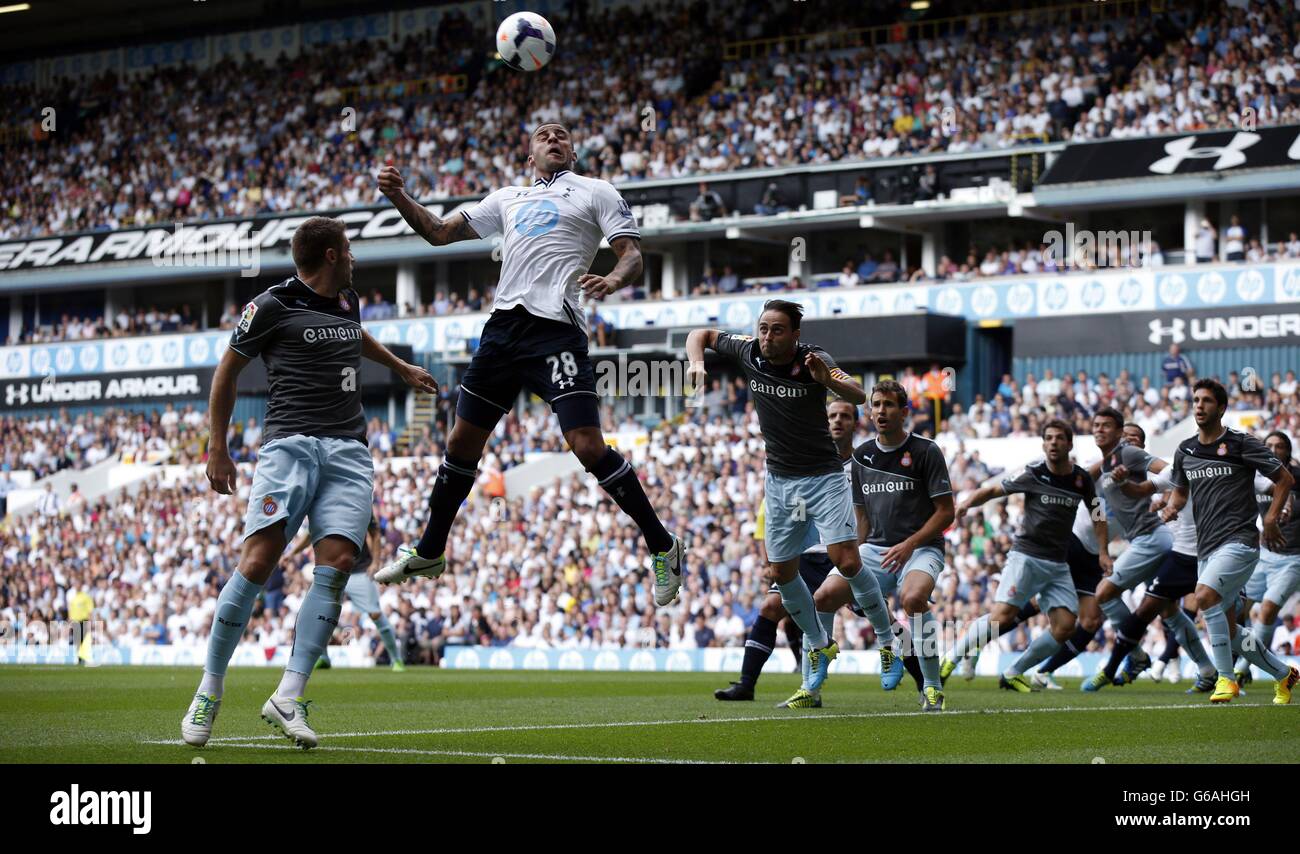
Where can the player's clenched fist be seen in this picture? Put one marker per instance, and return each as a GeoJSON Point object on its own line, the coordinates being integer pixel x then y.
{"type": "Point", "coordinates": [390, 181]}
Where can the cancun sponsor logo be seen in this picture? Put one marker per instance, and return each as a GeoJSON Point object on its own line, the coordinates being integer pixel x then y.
{"type": "Point", "coordinates": [312, 334]}
{"type": "Point", "coordinates": [134, 809]}
{"type": "Point", "coordinates": [1058, 500]}
{"type": "Point", "coordinates": [888, 486]}
{"type": "Point", "coordinates": [1203, 472]}
{"type": "Point", "coordinates": [777, 390]}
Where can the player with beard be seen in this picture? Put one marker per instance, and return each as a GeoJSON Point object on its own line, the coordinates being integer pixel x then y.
{"type": "Point", "coordinates": [807, 496]}
{"type": "Point", "coordinates": [814, 567]}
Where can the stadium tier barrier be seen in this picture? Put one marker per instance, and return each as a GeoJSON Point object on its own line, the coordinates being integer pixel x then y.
{"type": "Point", "coordinates": [711, 660]}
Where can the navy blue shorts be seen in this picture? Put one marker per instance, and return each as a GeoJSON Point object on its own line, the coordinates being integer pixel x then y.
{"type": "Point", "coordinates": [1176, 577]}
{"type": "Point", "coordinates": [519, 350]}
{"type": "Point", "coordinates": [1085, 568]}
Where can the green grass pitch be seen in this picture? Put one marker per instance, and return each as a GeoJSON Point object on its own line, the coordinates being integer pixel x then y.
{"type": "Point", "coordinates": [122, 714]}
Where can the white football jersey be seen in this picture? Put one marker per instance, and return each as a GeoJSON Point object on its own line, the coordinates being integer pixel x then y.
{"type": "Point", "coordinates": [551, 232]}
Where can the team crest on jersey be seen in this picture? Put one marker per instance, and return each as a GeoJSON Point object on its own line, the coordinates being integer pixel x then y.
{"type": "Point", "coordinates": [1223, 449]}
{"type": "Point", "coordinates": [1078, 481]}
{"type": "Point", "coordinates": [906, 460]}
{"type": "Point", "coordinates": [246, 319]}
{"type": "Point", "coordinates": [344, 304]}
{"type": "Point", "coordinates": [269, 506]}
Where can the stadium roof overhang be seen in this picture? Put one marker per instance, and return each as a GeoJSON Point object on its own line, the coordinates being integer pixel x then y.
{"type": "Point", "coordinates": [1176, 188]}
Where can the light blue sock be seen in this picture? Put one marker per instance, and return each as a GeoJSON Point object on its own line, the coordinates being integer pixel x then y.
{"type": "Point", "coordinates": [827, 621]}
{"type": "Point", "coordinates": [805, 666]}
{"type": "Point", "coordinates": [1216, 625]}
{"type": "Point", "coordinates": [971, 640]}
{"type": "Point", "coordinates": [1185, 632]}
{"type": "Point", "coordinates": [317, 618]}
{"type": "Point", "coordinates": [234, 605]}
{"type": "Point", "coordinates": [925, 642]}
{"type": "Point", "coordinates": [798, 603]}
{"type": "Point", "coordinates": [1248, 647]}
{"type": "Point", "coordinates": [866, 592]}
{"type": "Point", "coordinates": [1264, 634]}
{"type": "Point", "coordinates": [1116, 611]}
{"type": "Point", "coordinates": [1043, 647]}
{"type": "Point", "coordinates": [387, 636]}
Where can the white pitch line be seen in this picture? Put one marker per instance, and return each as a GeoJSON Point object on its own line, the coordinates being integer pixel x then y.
{"type": "Point", "coordinates": [753, 719]}
{"type": "Point", "coordinates": [554, 757]}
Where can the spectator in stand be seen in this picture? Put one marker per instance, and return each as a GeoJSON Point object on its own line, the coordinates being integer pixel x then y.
{"type": "Point", "coordinates": [48, 504]}
{"type": "Point", "coordinates": [771, 203]}
{"type": "Point", "coordinates": [848, 278]}
{"type": "Point", "coordinates": [729, 283]}
{"type": "Point", "coordinates": [861, 193]}
{"type": "Point", "coordinates": [867, 268]}
{"type": "Point", "coordinates": [886, 271]}
{"type": "Point", "coordinates": [1206, 240]}
{"type": "Point", "coordinates": [707, 205]}
{"type": "Point", "coordinates": [1176, 366]}
{"type": "Point", "coordinates": [1293, 241]}
{"type": "Point", "coordinates": [1234, 240]}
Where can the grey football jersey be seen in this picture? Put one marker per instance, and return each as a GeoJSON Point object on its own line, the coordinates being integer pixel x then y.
{"type": "Point", "coordinates": [791, 407]}
{"type": "Point", "coordinates": [1133, 514]}
{"type": "Point", "coordinates": [1220, 477]}
{"type": "Point", "coordinates": [1051, 500]}
{"type": "Point", "coordinates": [1291, 528]}
{"type": "Point", "coordinates": [897, 488]}
{"type": "Point", "coordinates": [312, 349]}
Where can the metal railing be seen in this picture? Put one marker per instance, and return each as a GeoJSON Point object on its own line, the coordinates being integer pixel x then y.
{"type": "Point", "coordinates": [935, 28]}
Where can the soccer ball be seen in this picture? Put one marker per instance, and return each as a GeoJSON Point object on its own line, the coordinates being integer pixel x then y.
{"type": "Point", "coordinates": [526, 41]}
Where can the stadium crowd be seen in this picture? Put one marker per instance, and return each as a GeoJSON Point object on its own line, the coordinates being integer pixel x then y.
{"type": "Point", "coordinates": [559, 567]}
{"type": "Point", "coordinates": [164, 146]}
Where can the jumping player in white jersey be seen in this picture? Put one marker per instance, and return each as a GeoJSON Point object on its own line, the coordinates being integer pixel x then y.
{"type": "Point", "coordinates": [536, 338]}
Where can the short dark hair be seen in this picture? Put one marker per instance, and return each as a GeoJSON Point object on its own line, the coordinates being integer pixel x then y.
{"type": "Point", "coordinates": [792, 310]}
{"type": "Point", "coordinates": [1112, 413]}
{"type": "Point", "coordinates": [891, 387]}
{"type": "Point", "coordinates": [1215, 388]}
{"type": "Point", "coordinates": [1060, 424]}
{"type": "Point", "coordinates": [849, 404]}
{"type": "Point", "coordinates": [1138, 427]}
{"type": "Point", "coordinates": [312, 238]}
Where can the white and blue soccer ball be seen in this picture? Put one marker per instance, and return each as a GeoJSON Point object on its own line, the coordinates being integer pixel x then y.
{"type": "Point", "coordinates": [526, 41]}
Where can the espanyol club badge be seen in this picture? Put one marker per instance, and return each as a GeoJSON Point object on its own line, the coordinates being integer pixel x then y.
{"type": "Point", "coordinates": [906, 460]}
{"type": "Point", "coordinates": [344, 304]}
{"type": "Point", "coordinates": [269, 506]}
{"type": "Point", "coordinates": [1078, 481]}
{"type": "Point", "coordinates": [1223, 449]}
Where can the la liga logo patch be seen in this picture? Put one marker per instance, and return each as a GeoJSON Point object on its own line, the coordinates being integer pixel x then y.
{"type": "Point", "coordinates": [269, 506]}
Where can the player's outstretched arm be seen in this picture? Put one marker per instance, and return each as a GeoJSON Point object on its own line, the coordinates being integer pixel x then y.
{"type": "Point", "coordinates": [435, 230]}
{"type": "Point", "coordinates": [221, 402]}
{"type": "Point", "coordinates": [983, 495]}
{"type": "Point", "coordinates": [1177, 501]}
{"type": "Point", "coordinates": [413, 375]}
{"type": "Point", "coordinates": [628, 270]}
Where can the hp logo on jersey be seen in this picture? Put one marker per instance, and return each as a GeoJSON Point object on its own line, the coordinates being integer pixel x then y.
{"type": "Point", "coordinates": [536, 218]}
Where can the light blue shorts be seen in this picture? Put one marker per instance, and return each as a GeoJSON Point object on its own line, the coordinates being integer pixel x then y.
{"type": "Point", "coordinates": [363, 592]}
{"type": "Point", "coordinates": [927, 559]}
{"type": "Point", "coordinates": [332, 481]}
{"type": "Point", "coordinates": [1142, 559]}
{"type": "Point", "coordinates": [1227, 569]}
{"type": "Point", "coordinates": [805, 511]}
{"type": "Point", "coordinates": [1025, 577]}
{"type": "Point", "coordinates": [1276, 578]}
